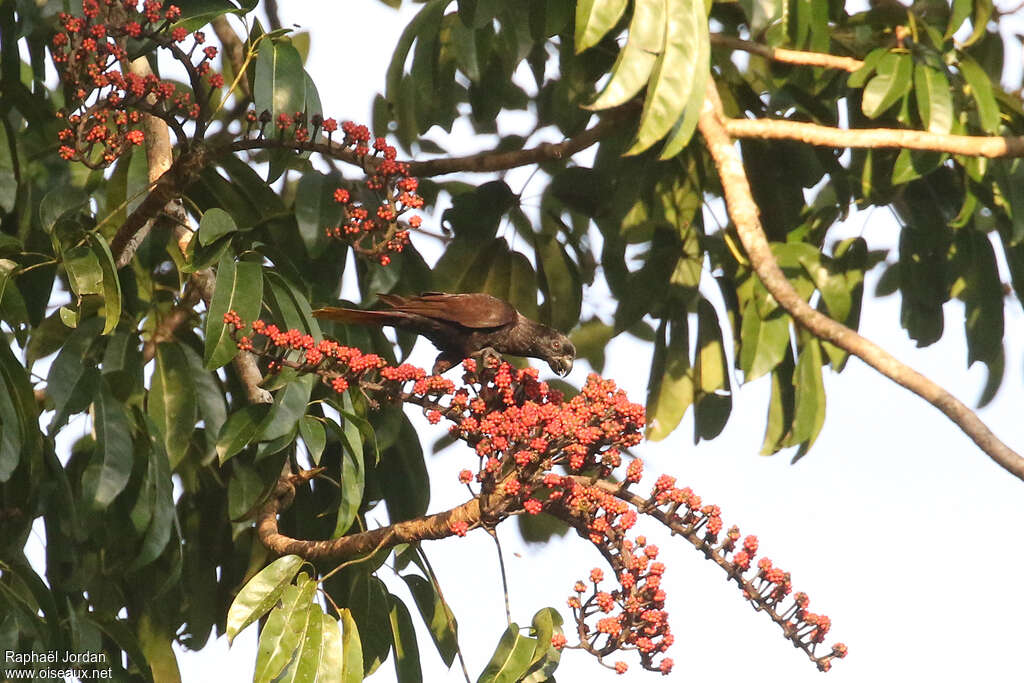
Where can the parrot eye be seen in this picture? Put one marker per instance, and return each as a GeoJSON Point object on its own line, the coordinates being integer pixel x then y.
{"type": "Point", "coordinates": [556, 345]}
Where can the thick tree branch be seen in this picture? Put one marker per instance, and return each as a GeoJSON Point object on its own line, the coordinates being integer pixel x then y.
{"type": "Point", "coordinates": [473, 512]}
{"type": "Point", "coordinates": [825, 136]}
{"type": "Point", "coordinates": [779, 54]}
{"type": "Point", "coordinates": [744, 214]}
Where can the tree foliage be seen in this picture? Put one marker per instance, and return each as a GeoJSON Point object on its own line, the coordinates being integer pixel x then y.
{"type": "Point", "coordinates": [146, 282]}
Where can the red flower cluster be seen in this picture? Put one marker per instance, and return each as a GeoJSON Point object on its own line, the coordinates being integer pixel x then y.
{"type": "Point", "coordinates": [522, 432]}
{"type": "Point", "coordinates": [377, 233]}
{"type": "Point", "coordinates": [104, 104]}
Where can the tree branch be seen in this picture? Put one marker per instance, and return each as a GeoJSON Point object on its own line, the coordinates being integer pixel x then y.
{"type": "Point", "coordinates": [744, 213]}
{"type": "Point", "coordinates": [473, 512]}
{"type": "Point", "coordinates": [779, 54]}
{"type": "Point", "coordinates": [992, 147]}
{"type": "Point", "coordinates": [481, 162]}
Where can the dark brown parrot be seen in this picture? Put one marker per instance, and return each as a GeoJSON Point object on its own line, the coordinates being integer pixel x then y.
{"type": "Point", "coordinates": [461, 325]}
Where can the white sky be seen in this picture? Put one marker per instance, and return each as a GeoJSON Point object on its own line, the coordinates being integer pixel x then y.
{"type": "Point", "coordinates": [896, 525]}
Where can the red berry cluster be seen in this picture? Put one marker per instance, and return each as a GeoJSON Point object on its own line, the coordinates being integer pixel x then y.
{"type": "Point", "coordinates": [104, 104]}
{"type": "Point", "coordinates": [376, 232]}
{"type": "Point", "coordinates": [522, 432]}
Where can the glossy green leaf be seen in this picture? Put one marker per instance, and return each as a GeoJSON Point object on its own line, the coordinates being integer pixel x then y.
{"type": "Point", "coordinates": [546, 623]}
{"type": "Point", "coordinates": [306, 664]}
{"type": "Point", "coordinates": [172, 400]}
{"type": "Point", "coordinates": [809, 413]}
{"type": "Point", "coordinates": [686, 52]}
{"type": "Point", "coordinates": [285, 631]}
{"type": "Point", "coordinates": [981, 91]}
{"type": "Point", "coordinates": [368, 601]}
{"type": "Point", "coordinates": [261, 593]}
{"type": "Point", "coordinates": [110, 466]}
{"type": "Point", "coordinates": [73, 378]}
{"type": "Point", "coordinates": [594, 18]}
{"type": "Point", "coordinates": [511, 658]}
{"type": "Point", "coordinates": [241, 428]}
{"type": "Point", "coordinates": [162, 518]}
{"type": "Point", "coordinates": [209, 398]}
{"type": "Point", "coordinates": [314, 436]}
{"type": "Point", "coordinates": [351, 648]}
{"type": "Point", "coordinates": [934, 98]}
{"type": "Point", "coordinates": [280, 83]}
{"type": "Point", "coordinates": [111, 284]}
{"type": "Point", "coordinates": [246, 489]}
{"type": "Point", "coordinates": [637, 58]}
{"type": "Point", "coordinates": [892, 80]}
{"type": "Point", "coordinates": [780, 406]}
{"type": "Point", "coordinates": [403, 635]}
{"type": "Point", "coordinates": [330, 669]}
{"type": "Point", "coordinates": [436, 615]}
{"type": "Point", "coordinates": [403, 468]}
{"type": "Point", "coordinates": [215, 224]}
{"type": "Point", "coordinates": [670, 390]}
{"type": "Point", "coordinates": [238, 288]}
{"type": "Point", "coordinates": [559, 283]}
{"type": "Point", "coordinates": [859, 77]}
{"type": "Point", "coordinates": [353, 470]}
{"type": "Point", "coordinates": [710, 370]}
{"type": "Point", "coordinates": [84, 271]}
{"type": "Point", "coordinates": [764, 341]}
{"type": "Point", "coordinates": [19, 416]}
{"type": "Point", "coordinates": [288, 407]}
{"type": "Point", "coordinates": [8, 177]}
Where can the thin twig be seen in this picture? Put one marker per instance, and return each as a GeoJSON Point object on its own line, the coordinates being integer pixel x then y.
{"type": "Point", "coordinates": [779, 54]}
{"type": "Point", "coordinates": [504, 577]}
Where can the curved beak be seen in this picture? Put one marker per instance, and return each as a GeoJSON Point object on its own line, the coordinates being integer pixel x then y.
{"type": "Point", "coordinates": [561, 365]}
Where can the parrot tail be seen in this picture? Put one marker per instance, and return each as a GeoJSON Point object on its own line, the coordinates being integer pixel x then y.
{"type": "Point", "coordinates": [356, 316]}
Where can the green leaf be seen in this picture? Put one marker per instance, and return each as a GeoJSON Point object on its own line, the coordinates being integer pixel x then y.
{"type": "Point", "coordinates": [331, 665]}
{"type": "Point", "coordinates": [859, 77]}
{"type": "Point", "coordinates": [436, 615]}
{"type": "Point", "coordinates": [245, 490]}
{"type": "Point", "coordinates": [670, 390]}
{"type": "Point", "coordinates": [511, 658]}
{"type": "Point", "coordinates": [288, 407]}
{"type": "Point", "coordinates": [559, 282]}
{"type": "Point", "coordinates": [19, 417]}
{"type": "Point", "coordinates": [594, 18]}
{"type": "Point", "coordinates": [261, 593]}
{"type": "Point", "coordinates": [280, 84]}
{"type": "Point", "coordinates": [241, 428]}
{"type": "Point", "coordinates": [315, 209]}
{"type": "Point", "coordinates": [686, 52]}
{"type": "Point", "coordinates": [407, 654]}
{"type": "Point", "coordinates": [73, 377]}
{"type": "Point", "coordinates": [890, 82]}
{"type": "Point", "coordinates": [162, 517]}
{"type": "Point", "coordinates": [314, 436]}
{"type": "Point", "coordinates": [981, 90]}
{"type": "Point", "coordinates": [809, 413]}
{"type": "Point", "coordinates": [8, 177]}
{"type": "Point", "coordinates": [238, 288]}
{"type": "Point", "coordinates": [764, 341]}
{"type": "Point", "coordinates": [402, 466]}
{"type": "Point", "coordinates": [172, 400]}
{"type": "Point", "coordinates": [111, 284]}
{"type": "Point", "coordinates": [934, 99]}
{"type": "Point", "coordinates": [210, 400]}
{"type": "Point", "coordinates": [636, 60]}
{"type": "Point", "coordinates": [214, 224]}
{"type": "Point", "coordinates": [546, 623]}
{"type": "Point", "coordinates": [780, 406]}
{"type": "Point", "coordinates": [368, 600]}
{"type": "Point", "coordinates": [84, 272]}
{"type": "Point", "coordinates": [110, 466]}
{"type": "Point", "coordinates": [284, 630]}
{"type": "Point", "coordinates": [306, 664]}
{"type": "Point", "coordinates": [353, 470]}
{"type": "Point", "coordinates": [351, 648]}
